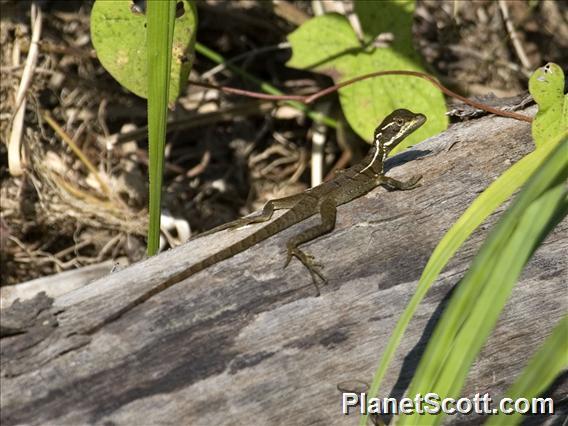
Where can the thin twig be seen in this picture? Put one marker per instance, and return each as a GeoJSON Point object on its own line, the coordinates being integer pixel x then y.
{"type": "Point", "coordinates": [514, 36]}
{"type": "Point", "coordinates": [250, 94]}
{"type": "Point", "coordinates": [308, 99]}
{"type": "Point", "coordinates": [63, 135]}
{"type": "Point", "coordinates": [475, 104]}
{"type": "Point", "coordinates": [462, 50]}
{"type": "Point", "coordinates": [318, 138]}
{"type": "Point", "coordinates": [217, 69]}
{"type": "Point", "coordinates": [267, 88]}
{"type": "Point", "coordinates": [196, 120]}
{"type": "Point", "coordinates": [14, 144]}
{"type": "Point", "coordinates": [31, 60]}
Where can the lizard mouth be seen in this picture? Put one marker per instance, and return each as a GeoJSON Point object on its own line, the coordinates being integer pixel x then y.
{"type": "Point", "coordinates": [420, 119]}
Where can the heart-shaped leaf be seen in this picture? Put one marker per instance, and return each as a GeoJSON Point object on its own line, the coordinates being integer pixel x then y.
{"type": "Point", "coordinates": [118, 32]}
{"type": "Point", "coordinates": [328, 44]}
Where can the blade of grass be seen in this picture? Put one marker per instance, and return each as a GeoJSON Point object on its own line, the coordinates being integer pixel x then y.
{"type": "Point", "coordinates": [531, 230]}
{"type": "Point", "coordinates": [548, 362]}
{"type": "Point", "coordinates": [161, 16]}
{"type": "Point", "coordinates": [480, 209]}
{"type": "Point", "coordinates": [474, 309]}
{"type": "Point", "coordinates": [487, 264]}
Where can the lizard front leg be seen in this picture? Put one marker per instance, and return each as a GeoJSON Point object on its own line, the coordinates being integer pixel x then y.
{"type": "Point", "coordinates": [328, 212]}
{"type": "Point", "coordinates": [265, 214]}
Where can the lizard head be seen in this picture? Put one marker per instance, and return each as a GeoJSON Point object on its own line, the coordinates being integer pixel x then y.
{"type": "Point", "coordinates": [395, 127]}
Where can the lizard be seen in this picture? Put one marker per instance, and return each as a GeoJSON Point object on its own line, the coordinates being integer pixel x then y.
{"type": "Point", "coordinates": [323, 199]}
{"type": "Point", "coordinates": [346, 186]}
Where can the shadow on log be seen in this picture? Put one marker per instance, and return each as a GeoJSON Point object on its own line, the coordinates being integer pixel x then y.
{"type": "Point", "coordinates": [246, 341]}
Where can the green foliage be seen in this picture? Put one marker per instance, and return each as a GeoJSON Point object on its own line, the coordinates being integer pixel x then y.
{"type": "Point", "coordinates": [265, 87]}
{"type": "Point", "coordinates": [119, 37]}
{"type": "Point", "coordinates": [497, 193]}
{"type": "Point", "coordinates": [476, 305]}
{"type": "Point", "coordinates": [328, 44]}
{"type": "Point", "coordinates": [479, 299]}
{"type": "Point", "coordinates": [151, 55]}
{"type": "Point", "coordinates": [546, 85]}
{"type": "Point", "coordinates": [549, 361]}
{"type": "Point", "coordinates": [161, 16]}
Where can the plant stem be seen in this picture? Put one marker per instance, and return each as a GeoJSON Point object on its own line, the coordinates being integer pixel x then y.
{"type": "Point", "coordinates": [265, 87]}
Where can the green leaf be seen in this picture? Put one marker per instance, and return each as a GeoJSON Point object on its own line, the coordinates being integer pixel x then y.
{"type": "Point", "coordinates": [389, 17]}
{"type": "Point", "coordinates": [327, 44]}
{"type": "Point", "coordinates": [543, 368]}
{"type": "Point", "coordinates": [476, 213]}
{"type": "Point", "coordinates": [161, 22]}
{"type": "Point", "coordinates": [546, 85]}
{"type": "Point", "coordinates": [119, 36]}
{"type": "Point", "coordinates": [267, 88]}
{"type": "Point", "coordinates": [479, 299]}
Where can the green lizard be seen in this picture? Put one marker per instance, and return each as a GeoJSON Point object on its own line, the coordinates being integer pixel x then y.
{"type": "Point", "coordinates": [323, 199]}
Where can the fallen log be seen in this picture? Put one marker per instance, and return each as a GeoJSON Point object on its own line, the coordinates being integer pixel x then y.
{"type": "Point", "coordinates": [247, 342]}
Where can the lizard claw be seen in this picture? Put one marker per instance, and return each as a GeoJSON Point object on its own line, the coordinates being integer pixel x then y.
{"type": "Point", "coordinates": [288, 258]}
{"type": "Point", "coordinates": [412, 182]}
{"type": "Point", "coordinates": [309, 262]}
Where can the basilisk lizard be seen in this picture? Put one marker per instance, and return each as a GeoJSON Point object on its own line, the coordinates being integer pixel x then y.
{"type": "Point", "coordinates": [323, 199]}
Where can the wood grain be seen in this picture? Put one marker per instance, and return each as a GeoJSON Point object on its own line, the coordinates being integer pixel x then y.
{"type": "Point", "coordinates": [246, 342]}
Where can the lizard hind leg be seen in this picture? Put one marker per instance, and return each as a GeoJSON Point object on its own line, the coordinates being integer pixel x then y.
{"type": "Point", "coordinates": [264, 215]}
{"type": "Point", "coordinates": [328, 211]}
{"type": "Point", "coordinates": [266, 212]}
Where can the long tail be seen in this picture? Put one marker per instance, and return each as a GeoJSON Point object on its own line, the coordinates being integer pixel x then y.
{"type": "Point", "coordinates": [292, 216]}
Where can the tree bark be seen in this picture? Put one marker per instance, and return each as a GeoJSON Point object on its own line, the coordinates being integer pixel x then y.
{"type": "Point", "coordinates": [247, 342]}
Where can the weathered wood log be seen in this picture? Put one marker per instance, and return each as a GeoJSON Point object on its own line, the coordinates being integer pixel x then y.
{"type": "Point", "coordinates": [246, 341]}
{"type": "Point", "coordinates": [55, 285]}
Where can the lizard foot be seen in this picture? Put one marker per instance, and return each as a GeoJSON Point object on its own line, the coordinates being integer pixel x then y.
{"type": "Point", "coordinates": [411, 183]}
{"type": "Point", "coordinates": [309, 262]}
{"type": "Point", "coordinates": [403, 185]}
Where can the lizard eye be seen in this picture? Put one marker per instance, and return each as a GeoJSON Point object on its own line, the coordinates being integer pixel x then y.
{"type": "Point", "coordinates": [399, 121]}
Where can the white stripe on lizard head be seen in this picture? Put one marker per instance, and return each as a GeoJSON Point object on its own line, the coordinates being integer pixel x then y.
{"type": "Point", "coordinates": [400, 132]}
